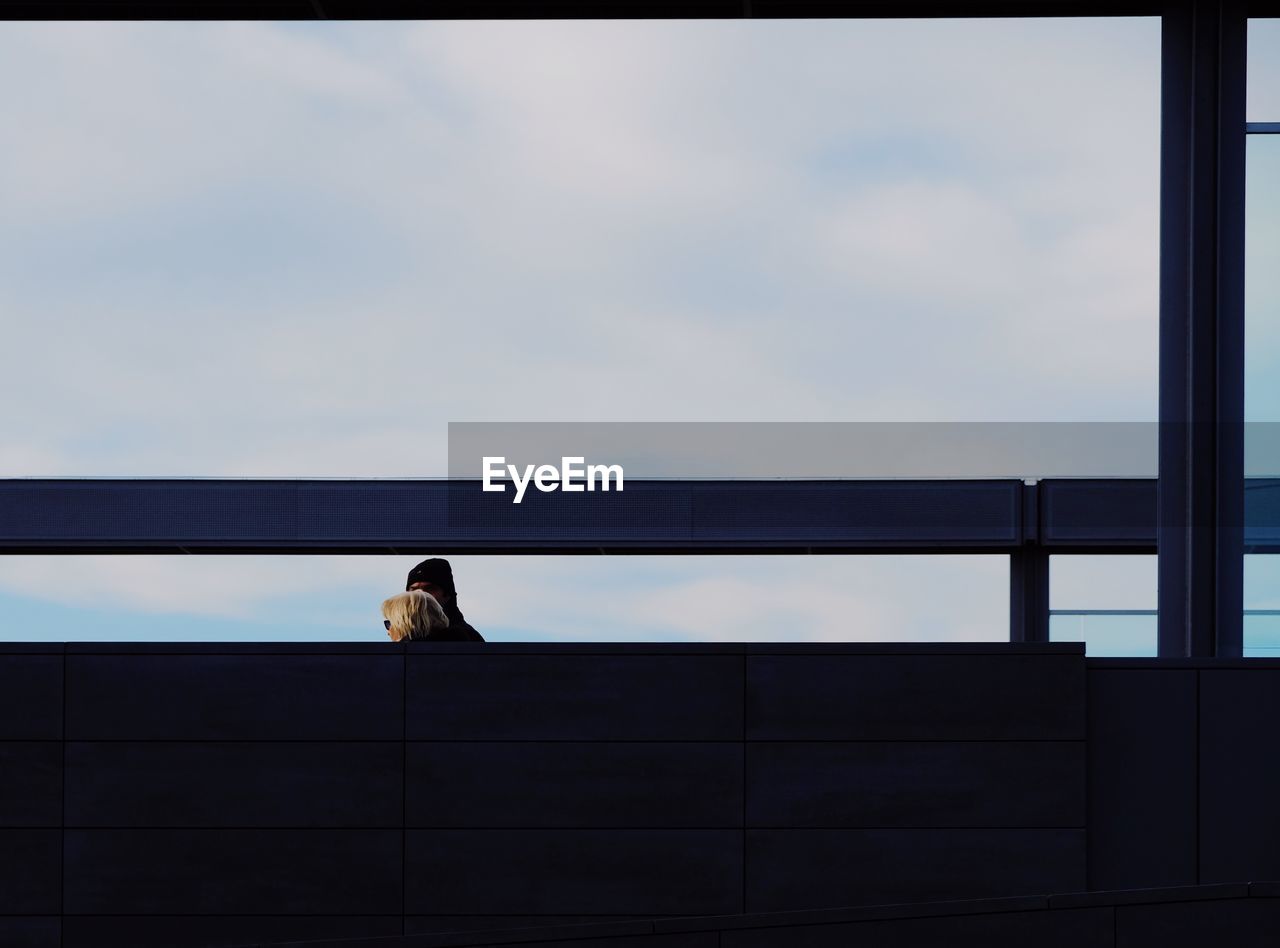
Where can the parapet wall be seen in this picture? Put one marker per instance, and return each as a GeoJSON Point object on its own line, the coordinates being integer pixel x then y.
{"type": "Point", "coordinates": [186, 795]}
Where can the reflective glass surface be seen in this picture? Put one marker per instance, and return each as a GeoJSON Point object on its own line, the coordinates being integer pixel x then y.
{"type": "Point", "coordinates": [1107, 602]}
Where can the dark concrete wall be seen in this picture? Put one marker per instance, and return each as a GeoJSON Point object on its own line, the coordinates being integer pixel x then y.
{"type": "Point", "coordinates": [213, 795]}
{"type": "Point", "coordinates": [1239, 915]}
{"type": "Point", "coordinates": [222, 794]}
{"type": "Point", "coordinates": [30, 794]}
{"type": "Point", "coordinates": [1183, 777]}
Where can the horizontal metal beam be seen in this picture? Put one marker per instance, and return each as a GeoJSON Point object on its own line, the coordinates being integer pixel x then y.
{"type": "Point", "coordinates": [1058, 515]}
{"type": "Point", "coordinates": [1098, 515]}
{"type": "Point", "coordinates": [56, 516]}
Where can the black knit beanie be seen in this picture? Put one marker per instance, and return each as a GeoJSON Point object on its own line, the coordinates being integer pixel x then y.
{"type": "Point", "coordinates": [436, 571]}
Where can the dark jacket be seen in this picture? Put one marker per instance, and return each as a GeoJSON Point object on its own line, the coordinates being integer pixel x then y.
{"type": "Point", "coordinates": [460, 630]}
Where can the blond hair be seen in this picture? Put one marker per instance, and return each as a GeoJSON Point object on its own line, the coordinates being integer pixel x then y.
{"type": "Point", "coordinates": [413, 615]}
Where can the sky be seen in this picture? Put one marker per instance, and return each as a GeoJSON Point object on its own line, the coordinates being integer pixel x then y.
{"type": "Point", "coordinates": [282, 250]}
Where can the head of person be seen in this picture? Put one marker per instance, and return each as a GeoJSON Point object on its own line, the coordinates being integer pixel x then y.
{"type": "Point", "coordinates": [434, 576]}
{"type": "Point", "coordinates": [412, 615]}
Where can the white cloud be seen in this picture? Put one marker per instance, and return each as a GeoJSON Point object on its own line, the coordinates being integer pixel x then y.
{"type": "Point", "coordinates": [757, 598]}
{"type": "Point", "coordinates": [290, 242]}
{"type": "Point", "coordinates": [919, 240]}
{"type": "Point", "coordinates": [231, 587]}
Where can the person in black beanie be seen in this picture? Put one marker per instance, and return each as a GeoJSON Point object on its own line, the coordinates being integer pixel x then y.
{"type": "Point", "coordinates": [434, 576]}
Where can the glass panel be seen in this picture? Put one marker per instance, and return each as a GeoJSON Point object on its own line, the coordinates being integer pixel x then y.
{"type": "Point", "coordinates": [1262, 634]}
{"type": "Point", "coordinates": [511, 598]}
{"type": "Point", "coordinates": [300, 249]}
{"type": "Point", "coordinates": [1262, 284]}
{"type": "Point", "coordinates": [1262, 395]}
{"type": "Point", "coordinates": [1107, 634]}
{"type": "Point", "coordinates": [1107, 602]}
{"type": "Point", "coordinates": [1262, 606]}
{"type": "Point", "coordinates": [1262, 103]}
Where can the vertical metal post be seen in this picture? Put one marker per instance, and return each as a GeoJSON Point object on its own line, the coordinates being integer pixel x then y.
{"type": "Point", "coordinates": [1201, 484]}
{"type": "Point", "coordinates": [1029, 576]}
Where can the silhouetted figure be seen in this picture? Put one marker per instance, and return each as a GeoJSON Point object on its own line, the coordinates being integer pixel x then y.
{"type": "Point", "coordinates": [435, 576]}
{"type": "Point", "coordinates": [415, 615]}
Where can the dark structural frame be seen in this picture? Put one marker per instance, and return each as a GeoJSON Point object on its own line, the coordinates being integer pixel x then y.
{"type": "Point", "coordinates": [1193, 514]}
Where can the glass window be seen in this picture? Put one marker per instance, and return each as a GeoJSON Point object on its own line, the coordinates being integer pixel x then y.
{"type": "Point", "coordinates": [1262, 291]}
{"type": "Point", "coordinates": [1262, 606]}
{"type": "Point", "coordinates": [1262, 349]}
{"type": "Point", "coordinates": [1107, 602]}
{"type": "Point", "coordinates": [1262, 102]}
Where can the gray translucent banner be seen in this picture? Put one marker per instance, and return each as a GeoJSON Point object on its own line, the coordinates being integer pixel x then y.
{"type": "Point", "coordinates": [806, 450]}
{"type": "Point", "coordinates": [815, 450]}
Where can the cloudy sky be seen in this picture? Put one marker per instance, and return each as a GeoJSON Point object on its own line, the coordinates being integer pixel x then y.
{"type": "Point", "coordinates": [302, 249]}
